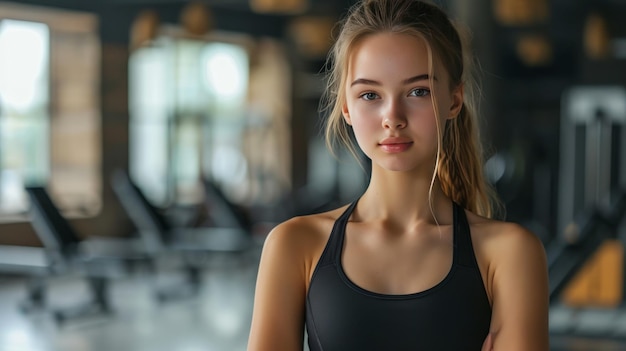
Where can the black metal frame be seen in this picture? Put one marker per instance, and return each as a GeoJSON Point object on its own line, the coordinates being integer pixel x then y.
{"type": "Point", "coordinates": [192, 244]}
{"type": "Point", "coordinates": [567, 256]}
{"type": "Point", "coordinates": [68, 252]}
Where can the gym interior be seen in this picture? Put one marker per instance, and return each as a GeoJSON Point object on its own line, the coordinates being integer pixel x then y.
{"type": "Point", "coordinates": [147, 147]}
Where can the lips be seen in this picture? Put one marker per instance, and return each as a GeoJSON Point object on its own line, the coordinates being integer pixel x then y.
{"type": "Point", "coordinates": [395, 144]}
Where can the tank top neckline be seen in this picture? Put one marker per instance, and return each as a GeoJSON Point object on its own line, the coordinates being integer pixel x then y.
{"type": "Point", "coordinates": [343, 316]}
{"type": "Point", "coordinates": [339, 232]}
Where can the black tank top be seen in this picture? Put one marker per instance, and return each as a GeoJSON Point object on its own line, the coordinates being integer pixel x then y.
{"type": "Point", "coordinates": [453, 315]}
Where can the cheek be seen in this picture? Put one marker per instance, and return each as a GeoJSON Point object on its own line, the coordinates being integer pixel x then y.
{"type": "Point", "coordinates": [365, 129]}
{"type": "Point", "coordinates": [423, 127]}
{"type": "Point", "coordinates": [422, 118]}
{"type": "Point", "coordinates": [365, 124]}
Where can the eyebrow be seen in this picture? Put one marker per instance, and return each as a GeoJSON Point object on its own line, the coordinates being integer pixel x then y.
{"type": "Point", "coordinates": [406, 81]}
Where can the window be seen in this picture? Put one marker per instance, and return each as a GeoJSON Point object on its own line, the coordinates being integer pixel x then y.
{"type": "Point", "coordinates": [187, 99]}
{"type": "Point", "coordinates": [24, 100]}
{"type": "Point", "coordinates": [49, 108]}
{"type": "Point", "coordinates": [216, 107]}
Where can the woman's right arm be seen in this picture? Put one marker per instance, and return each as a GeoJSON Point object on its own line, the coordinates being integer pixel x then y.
{"type": "Point", "coordinates": [279, 299]}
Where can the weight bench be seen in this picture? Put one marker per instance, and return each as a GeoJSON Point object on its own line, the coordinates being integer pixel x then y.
{"type": "Point", "coordinates": [96, 259]}
{"type": "Point", "coordinates": [222, 211]}
{"type": "Point", "coordinates": [189, 243]}
{"type": "Point", "coordinates": [32, 262]}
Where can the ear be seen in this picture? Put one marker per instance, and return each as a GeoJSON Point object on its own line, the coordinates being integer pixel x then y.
{"type": "Point", "coordinates": [457, 101]}
{"type": "Point", "coordinates": [346, 114]}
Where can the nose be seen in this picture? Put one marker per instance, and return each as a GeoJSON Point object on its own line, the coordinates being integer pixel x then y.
{"type": "Point", "coordinates": [395, 116]}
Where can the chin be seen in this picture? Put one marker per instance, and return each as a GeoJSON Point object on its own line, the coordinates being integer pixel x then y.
{"type": "Point", "coordinates": [404, 164]}
{"type": "Point", "coordinates": [397, 166]}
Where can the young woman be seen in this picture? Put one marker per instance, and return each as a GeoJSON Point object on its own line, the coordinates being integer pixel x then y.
{"type": "Point", "coordinates": [417, 262]}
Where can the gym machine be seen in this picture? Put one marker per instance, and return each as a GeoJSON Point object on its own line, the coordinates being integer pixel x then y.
{"type": "Point", "coordinates": [592, 179]}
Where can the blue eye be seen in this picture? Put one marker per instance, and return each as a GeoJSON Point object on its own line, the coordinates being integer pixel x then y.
{"type": "Point", "coordinates": [368, 96]}
{"type": "Point", "coordinates": [420, 92]}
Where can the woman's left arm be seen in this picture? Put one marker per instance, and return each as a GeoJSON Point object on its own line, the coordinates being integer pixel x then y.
{"type": "Point", "coordinates": [519, 290]}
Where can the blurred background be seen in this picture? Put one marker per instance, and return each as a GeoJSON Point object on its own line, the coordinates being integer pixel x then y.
{"type": "Point", "coordinates": [148, 146]}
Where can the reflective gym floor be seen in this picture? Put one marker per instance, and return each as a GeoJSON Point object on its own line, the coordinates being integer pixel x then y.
{"type": "Point", "coordinates": [216, 319]}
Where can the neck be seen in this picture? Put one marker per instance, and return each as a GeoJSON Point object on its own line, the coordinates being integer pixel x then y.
{"type": "Point", "coordinates": [404, 198]}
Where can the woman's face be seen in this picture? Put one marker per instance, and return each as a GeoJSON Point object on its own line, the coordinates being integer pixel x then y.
{"type": "Point", "coordinates": [389, 101]}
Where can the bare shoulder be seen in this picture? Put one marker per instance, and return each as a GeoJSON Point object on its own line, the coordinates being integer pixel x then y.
{"type": "Point", "coordinates": [303, 231]}
{"type": "Point", "coordinates": [303, 238]}
{"type": "Point", "coordinates": [290, 253]}
{"type": "Point", "coordinates": [512, 261]}
{"type": "Point", "coordinates": [505, 249]}
{"type": "Point", "coordinates": [502, 238]}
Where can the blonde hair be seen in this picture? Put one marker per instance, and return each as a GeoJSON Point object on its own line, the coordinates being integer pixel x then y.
{"type": "Point", "coordinates": [459, 153]}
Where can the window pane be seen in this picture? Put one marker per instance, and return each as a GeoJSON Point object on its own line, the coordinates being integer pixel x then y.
{"type": "Point", "coordinates": [187, 99]}
{"type": "Point", "coordinates": [24, 76]}
{"type": "Point", "coordinates": [149, 107]}
{"type": "Point", "coordinates": [226, 76]}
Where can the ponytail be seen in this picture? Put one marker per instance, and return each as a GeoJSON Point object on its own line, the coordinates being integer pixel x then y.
{"type": "Point", "coordinates": [460, 170]}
